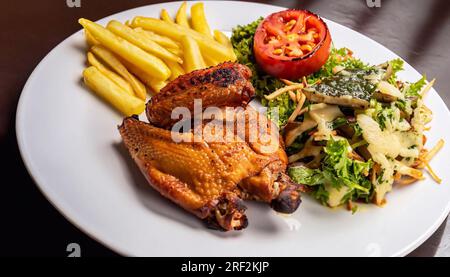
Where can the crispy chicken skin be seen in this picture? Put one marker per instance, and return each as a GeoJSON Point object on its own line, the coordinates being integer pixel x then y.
{"type": "Point", "coordinates": [224, 85]}
{"type": "Point", "coordinates": [201, 177]}
{"type": "Point", "coordinates": [227, 85]}
{"type": "Point", "coordinates": [271, 185]}
{"type": "Point", "coordinates": [209, 178]}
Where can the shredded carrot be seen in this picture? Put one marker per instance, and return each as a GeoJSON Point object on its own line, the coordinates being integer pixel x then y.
{"type": "Point", "coordinates": [418, 163]}
{"type": "Point", "coordinates": [349, 205]}
{"type": "Point", "coordinates": [434, 150]}
{"type": "Point", "coordinates": [288, 82]}
{"type": "Point", "coordinates": [282, 90]}
{"type": "Point", "coordinates": [425, 90]}
{"type": "Point", "coordinates": [374, 174]}
{"type": "Point", "coordinates": [304, 110]}
{"type": "Point", "coordinates": [415, 173]}
{"type": "Point", "coordinates": [305, 83]}
{"type": "Point", "coordinates": [293, 96]}
{"type": "Point", "coordinates": [299, 95]}
{"type": "Point", "coordinates": [433, 175]}
{"type": "Point", "coordinates": [301, 100]}
{"type": "Point", "coordinates": [349, 52]}
{"type": "Point", "coordinates": [353, 155]}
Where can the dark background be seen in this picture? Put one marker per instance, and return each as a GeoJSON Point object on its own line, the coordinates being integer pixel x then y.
{"type": "Point", "coordinates": [419, 31]}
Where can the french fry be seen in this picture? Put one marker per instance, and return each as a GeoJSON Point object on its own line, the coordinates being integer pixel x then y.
{"type": "Point", "coordinates": [225, 41]}
{"type": "Point", "coordinates": [425, 90]}
{"type": "Point", "coordinates": [433, 151]}
{"type": "Point", "coordinates": [176, 51]}
{"type": "Point", "coordinates": [222, 39]}
{"type": "Point", "coordinates": [111, 75]}
{"type": "Point", "coordinates": [176, 69]}
{"type": "Point", "coordinates": [141, 41]}
{"type": "Point", "coordinates": [135, 55]}
{"type": "Point", "coordinates": [199, 22]}
{"type": "Point", "coordinates": [171, 45]}
{"type": "Point", "coordinates": [112, 93]}
{"type": "Point", "coordinates": [209, 61]}
{"type": "Point", "coordinates": [192, 55]}
{"type": "Point", "coordinates": [90, 40]}
{"type": "Point", "coordinates": [155, 84]}
{"type": "Point", "coordinates": [165, 16]}
{"type": "Point", "coordinates": [113, 62]}
{"type": "Point", "coordinates": [161, 40]}
{"type": "Point", "coordinates": [209, 46]}
{"type": "Point", "coordinates": [432, 173]}
{"type": "Point", "coordinates": [181, 17]}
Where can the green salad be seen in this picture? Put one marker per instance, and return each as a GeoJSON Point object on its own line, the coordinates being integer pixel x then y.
{"type": "Point", "coordinates": [361, 131]}
{"type": "Point", "coordinates": [242, 41]}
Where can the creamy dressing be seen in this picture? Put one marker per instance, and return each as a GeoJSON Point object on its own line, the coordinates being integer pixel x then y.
{"type": "Point", "coordinates": [307, 124]}
{"type": "Point", "coordinates": [399, 138]}
{"type": "Point", "coordinates": [309, 150]}
{"type": "Point", "coordinates": [323, 115]}
{"type": "Point", "coordinates": [388, 89]}
{"type": "Point", "coordinates": [383, 184]}
{"type": "Point", "coordinates": [320, 115]}
{"type": "Point", "coordinates": [335, 195]}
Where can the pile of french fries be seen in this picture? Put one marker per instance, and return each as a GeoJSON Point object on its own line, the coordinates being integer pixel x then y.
{"type": "Point", "coordinates": [126, 60]}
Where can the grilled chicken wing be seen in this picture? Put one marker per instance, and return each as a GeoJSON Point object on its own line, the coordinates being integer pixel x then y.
{"type": "Point", "coordinates": [210, 177]}
{"type": "Point", "coordinates": [224, 85]}
{"type": "Point", "coordinates": [271, 185]}
{"type": "Point", "coordinates": [200, 176]}
{"type": "Point", "coordinates": [227, 85]}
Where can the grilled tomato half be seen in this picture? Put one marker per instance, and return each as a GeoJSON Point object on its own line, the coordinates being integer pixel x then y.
{"type": "Point", "coordinates": [291, 44]}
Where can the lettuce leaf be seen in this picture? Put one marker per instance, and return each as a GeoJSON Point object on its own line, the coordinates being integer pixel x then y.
{"type": "Point", "coordinates": [306, 176]}
{"type": "Point", "coordinates": [397, 66]}
{"type": "Point", "coordinates": [414, 88]}
{"type": "Point", "coordinates": [337, 170]}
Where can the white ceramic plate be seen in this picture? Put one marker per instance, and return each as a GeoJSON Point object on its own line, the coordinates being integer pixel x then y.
{"type": "Point", "coordinates": [71, 146]}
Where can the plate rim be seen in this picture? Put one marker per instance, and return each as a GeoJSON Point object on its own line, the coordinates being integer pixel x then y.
{"type": "Point", "coordinates": [85, 227]}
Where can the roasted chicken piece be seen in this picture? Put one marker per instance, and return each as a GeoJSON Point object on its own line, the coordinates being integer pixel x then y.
{"type": "Point", "coordinates": [224, 85]}
{"type": "Point", "coordinates": [271, 185]}
{"type": "Point", "coordinates": [210, 176]}
{"type": "Point", "coordinates": [202, 177]}
{"type": "Point", "coordinates": [227, 85]}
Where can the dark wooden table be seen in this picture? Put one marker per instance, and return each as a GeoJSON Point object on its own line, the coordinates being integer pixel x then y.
{"type": "Point", "coordinates": [419, 31]}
